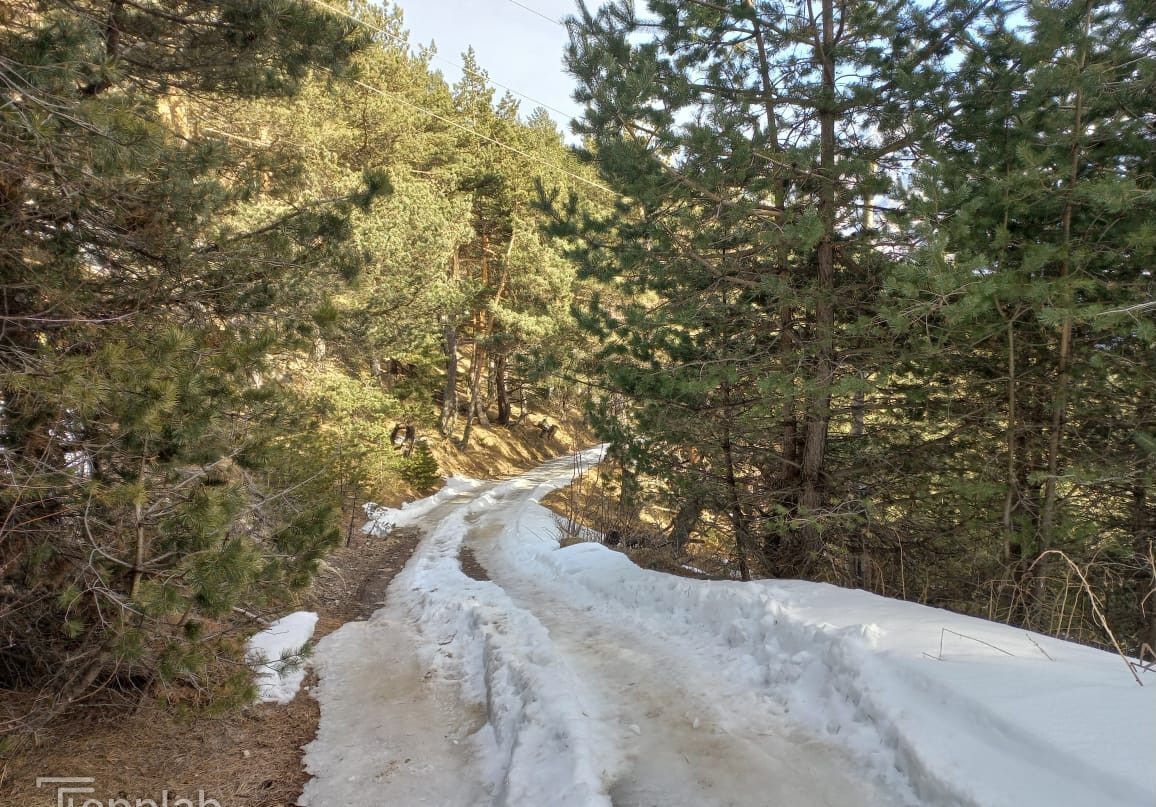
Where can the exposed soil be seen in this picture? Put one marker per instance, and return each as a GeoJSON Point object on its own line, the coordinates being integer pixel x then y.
{"type": "Point", "coordinates": [352, 583]}
{"type": "Point", "coordinates": [251, 758]}
{"type": "Point", "coordinates": [470, 564]}
{"type": "Point", "coordinates": [498, 451]}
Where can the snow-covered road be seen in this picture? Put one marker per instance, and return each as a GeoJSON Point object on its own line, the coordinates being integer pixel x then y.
{"type": "Point", "coordinates": [675, 733]}
{"type": "Point", "coordinates": [571, 677]}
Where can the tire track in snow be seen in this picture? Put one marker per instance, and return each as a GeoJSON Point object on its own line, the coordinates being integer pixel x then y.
{"type": "Point", "coordinates": [558, 702]}
{"type": "Point", "coordinates": [575, 679]}
{"type": "Point", "coordinates": [683, 736]}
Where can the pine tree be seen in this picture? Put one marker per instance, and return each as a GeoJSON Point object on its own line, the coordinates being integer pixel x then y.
{"type": "Point", "coordinates": [1038, 211]}
{"type": "Point", "coordinates": [421, 469]}
{"type": "Point", "coordinates": [519, 283]}
{"type": "Point", "coordinates": [378, 352]}
{"type": "Point", "coordinates": [751, 168]}
{"type": "Point", "coordinates": [149, 268]}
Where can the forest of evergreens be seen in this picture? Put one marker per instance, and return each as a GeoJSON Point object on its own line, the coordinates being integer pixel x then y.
{"type": "Point", "coordinates": [888, 282]}
{"type": "Point", "coordinates": [863, 291]}
{"type": "Point", "coordinates": [240, 243]}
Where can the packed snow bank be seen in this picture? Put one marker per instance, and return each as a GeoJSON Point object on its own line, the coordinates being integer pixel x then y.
{"type": "Point", "coordinates": [384, 519]}
{"type": "Point", "coordinates": [274, 654]}
{"type": "Point", "coordinates": [539, 744]}
{"type": "Point", "coordinates": [972, 712]}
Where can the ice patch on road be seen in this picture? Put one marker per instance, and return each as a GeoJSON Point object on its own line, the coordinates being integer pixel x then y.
{"type": "Point", "coordinates": [539, 742]}
{"type": "Point", "coordinates": [275, 656]}
{"type": "Point", "coordinates": [390, 734]}
{"type": "Point", "coordinates": [938, 708]}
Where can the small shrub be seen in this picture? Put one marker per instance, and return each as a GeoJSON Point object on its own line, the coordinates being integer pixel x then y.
{"type": "Point", "coordinates": [420, 469]}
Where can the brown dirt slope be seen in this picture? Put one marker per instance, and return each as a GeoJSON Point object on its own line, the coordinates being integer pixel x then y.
{"type": "Point", "coordinates": [592, 503]}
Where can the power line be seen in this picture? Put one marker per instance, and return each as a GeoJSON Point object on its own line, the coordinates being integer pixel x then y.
{"type": "Point", "coordinates": [537, 13]}
{"type": "Point", "coordinates": [466, 71]}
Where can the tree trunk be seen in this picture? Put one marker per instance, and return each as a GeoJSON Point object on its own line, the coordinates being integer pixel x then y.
{"type": "Point", "coordinates": [735, 507]}
{"type": "Point", "coordinates": [476, 407]}
{"type": "Point", "coordinates": [450, 394]}
{"type": "Point", "coordinates": [628, 506]}
{"type": "Point", "coordinates": [1144, 547]}
{"type": "Point", "coordinates": [1017, 471]}
{"type": "Point", "coordinates": [501, 388]}
{"type": "Point", "coordinates": [450, 333]}
{"type": "Point", "coordinates": [789, 458]}
{"type": "Point", "coordinates": [477, 397]}
{"type": "Point", "coordinates": [1048, 514]}
{"type": "Point", "coordinates": [819, 404]}
{"type": "Point", "coordinates": [789, 463]}
{"type": "Point", "coordinates": [685, 520]}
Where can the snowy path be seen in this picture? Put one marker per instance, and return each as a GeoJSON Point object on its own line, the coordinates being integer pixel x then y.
{"type": "Point", "coordinates": [572, 678]}
{"type": "Point", "coordinates": [392, 732]}
{"type": "Point", "coordinates": [682, 736]}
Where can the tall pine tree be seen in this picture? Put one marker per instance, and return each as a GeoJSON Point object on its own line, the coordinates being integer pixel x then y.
{"type": "Point", "coordinates": [753, 140]}
{"type": "Point", "coordinates": [144, 452]}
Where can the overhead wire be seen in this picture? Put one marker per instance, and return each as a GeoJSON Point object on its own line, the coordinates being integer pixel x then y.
{"type": "Point", "coordinates": [537, 13]}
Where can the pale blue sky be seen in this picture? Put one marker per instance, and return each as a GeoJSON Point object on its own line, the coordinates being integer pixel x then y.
{"type": "Point", "coordinates": [515, 46]}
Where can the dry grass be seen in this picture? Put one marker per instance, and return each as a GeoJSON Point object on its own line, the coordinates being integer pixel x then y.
{"type": "Point", "coordinates": [250, 759]}
{"type": "Point", "coordinates": [498, 451]}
